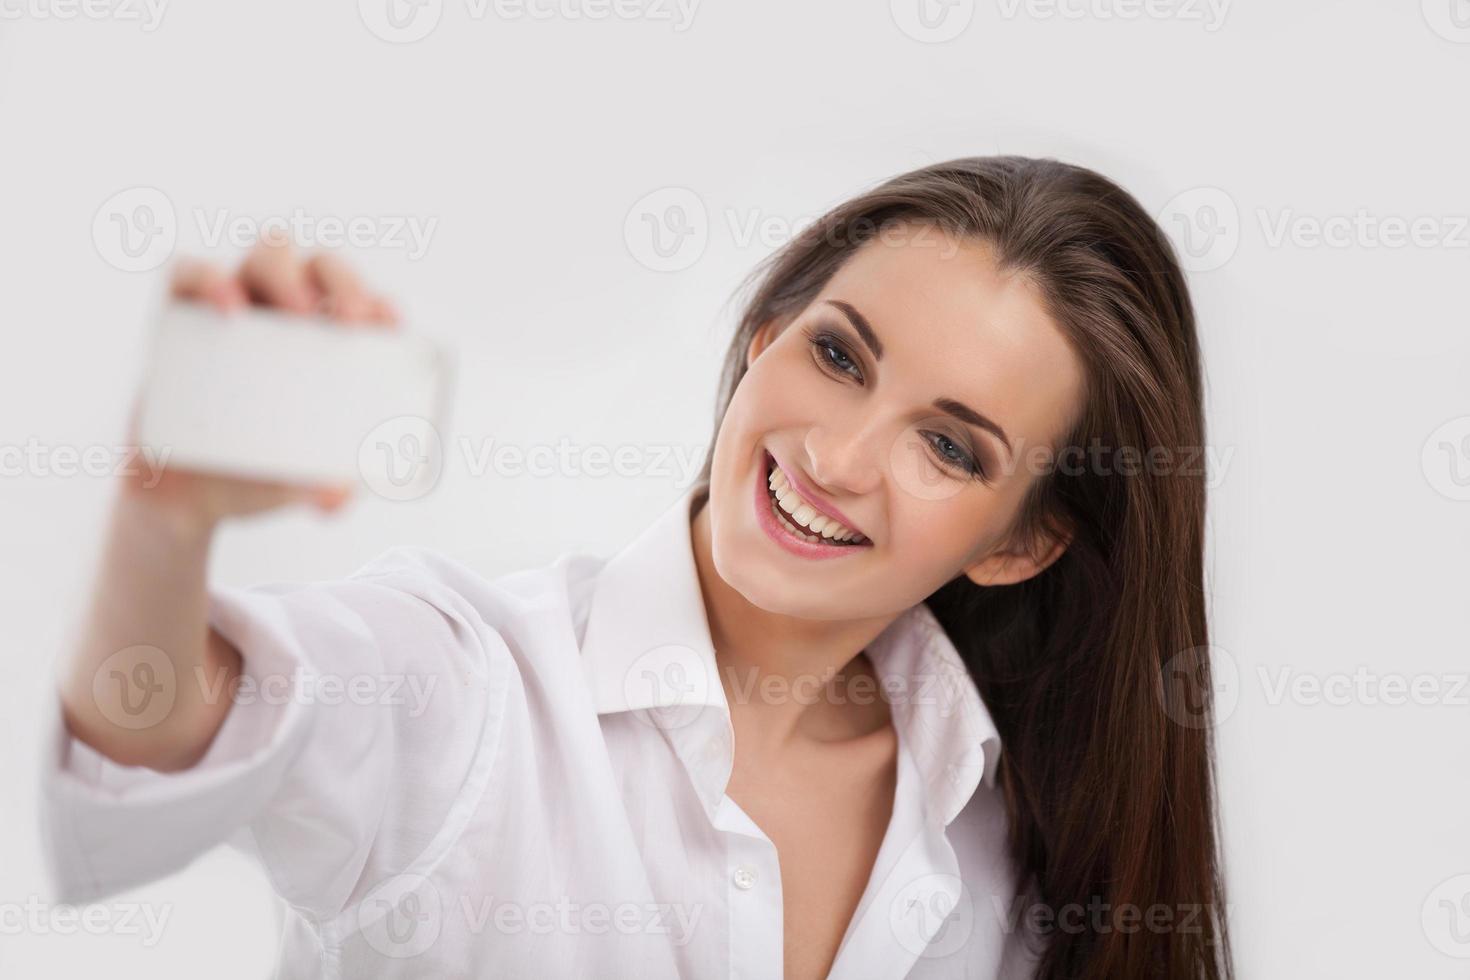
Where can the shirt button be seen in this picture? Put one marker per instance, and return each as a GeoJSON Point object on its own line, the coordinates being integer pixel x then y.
{"type": "Point", "coordinates": [744, 878]}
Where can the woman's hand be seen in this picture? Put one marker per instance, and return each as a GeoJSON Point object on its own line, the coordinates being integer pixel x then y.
{"type": "Point", "coordinates": [150, 608]}
{"type": "Point", "coordinates": [272, 275]}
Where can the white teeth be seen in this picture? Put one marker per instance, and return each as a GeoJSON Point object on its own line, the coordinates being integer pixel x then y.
{"type": "Point", "coordinates": [810, 539]}
{"type": "Point", "coordinates": [792, 510]}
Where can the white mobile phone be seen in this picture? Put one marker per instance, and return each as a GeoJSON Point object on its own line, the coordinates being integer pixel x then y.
{"type": "Point", "coordinates": [268, 395]}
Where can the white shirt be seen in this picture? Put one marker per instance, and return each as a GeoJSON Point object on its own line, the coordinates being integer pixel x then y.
{"type": "Point", "coordinates": [449, 776]}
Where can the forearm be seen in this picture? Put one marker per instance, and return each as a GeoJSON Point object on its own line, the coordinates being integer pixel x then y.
{"type": "Point", "coordinates": [149, 683]}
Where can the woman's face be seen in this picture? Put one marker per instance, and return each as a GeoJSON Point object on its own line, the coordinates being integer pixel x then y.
{"type": "Point", "coordinates": [902, 409]}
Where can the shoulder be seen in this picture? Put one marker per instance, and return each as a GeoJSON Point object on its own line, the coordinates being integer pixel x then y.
{"type": "Point", "coordinates": [417, 568]}
{"type": "Point", "coordinates": [519, 604]}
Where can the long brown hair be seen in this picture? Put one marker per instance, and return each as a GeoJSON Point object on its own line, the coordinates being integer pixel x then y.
{"type": "Point", "coordinates": [1108, 778]}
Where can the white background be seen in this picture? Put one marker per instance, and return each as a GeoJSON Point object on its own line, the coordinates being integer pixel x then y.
{"type": "Point", "coordinates": [1338, 543]}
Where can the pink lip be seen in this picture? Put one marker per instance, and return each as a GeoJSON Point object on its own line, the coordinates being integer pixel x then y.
{"type": "Point", "coordinates": [796, 546]}
{"type": "Point", "coordinates": [815, 499]}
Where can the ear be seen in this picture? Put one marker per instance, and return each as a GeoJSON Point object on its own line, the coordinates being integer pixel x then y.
{"type": "Point", "coordinates": [761, 339]}
{"type": "Point", "coordinates": [1007, 567]}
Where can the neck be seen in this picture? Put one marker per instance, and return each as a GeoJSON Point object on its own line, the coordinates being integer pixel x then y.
{"type": "Point", "coordinates": [788, 679]}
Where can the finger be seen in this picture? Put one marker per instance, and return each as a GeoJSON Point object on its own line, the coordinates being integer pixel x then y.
{"type": "Point", "coordinates": [329, 499]}
{"type": "Point", "coordinates": [204, 282]}
{"type": "Point", "coordinates": [343, 295]}
{"type": "Point", "coordinates": [325, 496]}
{"type": "Point", "coordinates": [274, 276]}
{"type": "Point", "coordinates": [383, 312]}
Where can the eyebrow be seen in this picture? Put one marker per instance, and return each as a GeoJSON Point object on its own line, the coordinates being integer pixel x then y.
{"type": "Point", "coordinates": [949, 406]}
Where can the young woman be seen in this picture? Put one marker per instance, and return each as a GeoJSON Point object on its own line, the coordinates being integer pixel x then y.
{"type": "Point", "coordinates": [893, 691]}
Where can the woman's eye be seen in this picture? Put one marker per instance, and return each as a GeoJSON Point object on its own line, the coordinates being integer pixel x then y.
{"type": "Point", "coordinates": [834, 357]}
{"type": "Point", "coordinates": [950, 454]}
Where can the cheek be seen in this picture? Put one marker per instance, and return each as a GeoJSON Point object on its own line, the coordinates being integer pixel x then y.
{"type": "Point", "coordinates": [943, 535]}
{"type": "Point", "coordinates": [774, 394]}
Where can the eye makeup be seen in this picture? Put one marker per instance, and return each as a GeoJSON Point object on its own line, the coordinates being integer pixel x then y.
{"type": "Point", "coordinates": [832, 352]}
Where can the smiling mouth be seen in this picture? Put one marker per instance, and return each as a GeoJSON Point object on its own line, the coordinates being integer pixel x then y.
{"type": "Point", "coordinates": [800, 519]}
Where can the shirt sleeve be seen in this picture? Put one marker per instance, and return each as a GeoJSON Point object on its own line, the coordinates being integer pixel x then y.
{"type": "Point", "coordinates": [362, 729]}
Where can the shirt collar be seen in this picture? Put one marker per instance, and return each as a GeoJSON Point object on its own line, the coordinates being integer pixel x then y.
{"type": "Point", "coordinates": [647, 647]}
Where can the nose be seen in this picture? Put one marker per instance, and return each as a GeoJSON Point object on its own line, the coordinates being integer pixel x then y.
{"type": "Point", "coordinates": [844, 459]}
